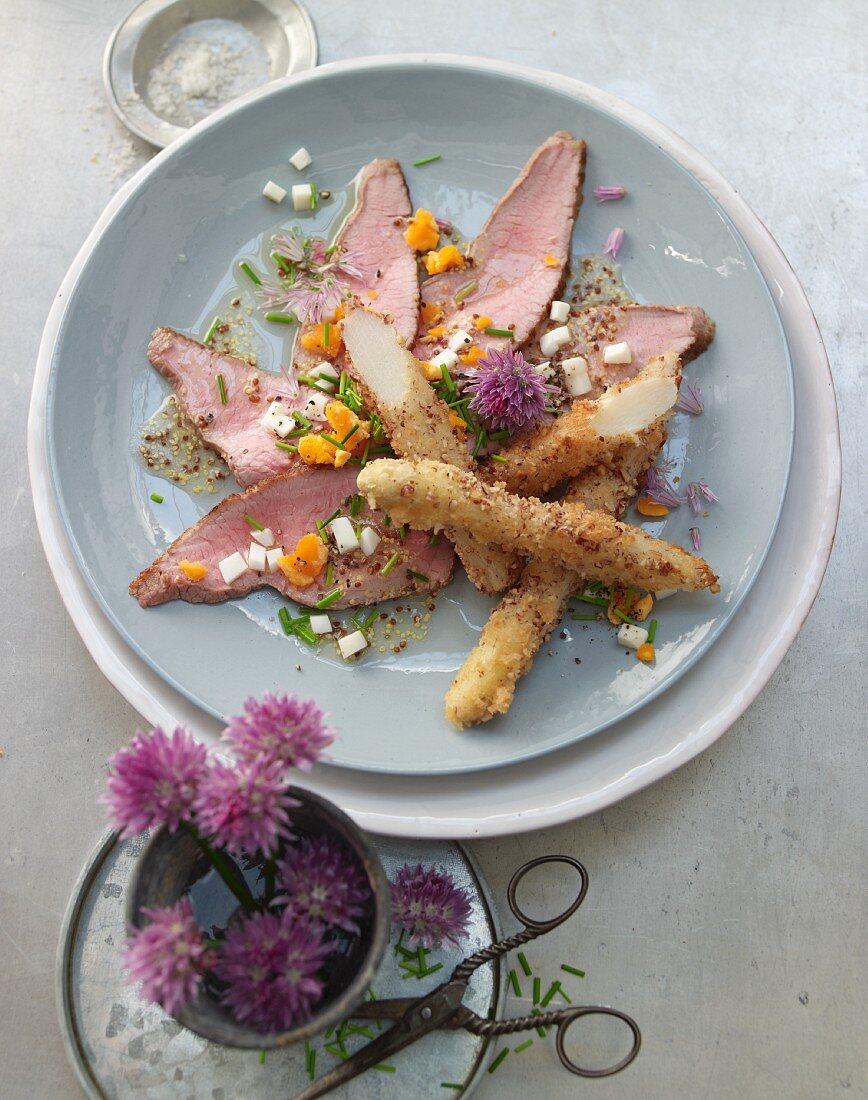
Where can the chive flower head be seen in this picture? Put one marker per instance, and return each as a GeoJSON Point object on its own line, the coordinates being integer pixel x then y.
{"type": "Point", "coordinates": [154, 780]}
{"type": "Point", "coordinates": [609, 194]}
{"type": "Point", "coordinates": [270, 964]}
{"type": "Point", "coordinates": [613, 243]}
{"type": "Point", "coordinates": [316, 283]}
{"type": "Point", "coordinates": [280, 728]}
{"type": "Point", "coordinates": [659, 488]}
{"type": "Point", "coordinates": [243, 806]}
{"type": "Point", "coordinates": [323, 883]}
{"type": "Point", "coordinates": [167, 956]}
{"type": "Point", "coordinates": [508, 393]}
{"type": "Point", "coordinates": [428, 905]}
{"type": "Point", "coordinates": [690, 400]}
{"type": "Point", "coordinates": [699, 494]}
{"type": "Point", "coordinates": [696, 537]}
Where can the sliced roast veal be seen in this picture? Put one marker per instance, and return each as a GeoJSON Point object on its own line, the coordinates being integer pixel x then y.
{"type": "Point", "coordinates": [290, 504]}
{"type": "Point", "coordinates": [519, 259]}
{"type": "Point", "coordinates": [235, 430]}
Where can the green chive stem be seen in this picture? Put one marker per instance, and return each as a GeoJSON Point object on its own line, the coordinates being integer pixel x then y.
{"type": "Point", "coordinates": [285, 622]}
{"type": "Point", "coordinates": [497, 1061]}
{"type": "Point", "coordinates": [386, 1069]}
{"type": "Point", "coordinates": [426, 160]}
{"type": "Point", "coordinates": [390, 564]}
{"type": "Point", "coordinates": [573, 970]}
{"type": "Point", "coordinates": [250, 273]}
{"type": "Point", "coordinates": [600, 601]}
{"type": "Point", "coordinates": [212, 328]}
{"type": "Point", "coordinates": [330, 571]}
{"type": "Point", "coordinates": [523, 1046]}
{"type": "Point", "coordinates": [553, 989]}
{"type": "Point", "coordinates": [513, 981]}
{"type": "Point", "coordinates": [498, 458]}
{"type": "Point", "coordinates": [253, 523]}
{"type": "Point", "coordinates": [466, 291]}
{"type": "Point", "coordinates": [507, 332]}
{"type": "Point", "coordinates": [537, 984]}
{"type": "Point", "coordinates": [282, 318]}
{"type": "Point", "coordinates": [350, 434]}
{"type": "Point", "coordinates": [329, 599]}
{"type": "Point", "coordinates": [262, 1054]}
{"type": "Point", "coordinates": [221, 389]}
{"type": "Point", "coordinates": [652, 630]}
{"type": "Point", "coordinates": [286, 446]}
{"type": "Point", "coordinates": [525, 965]}
{"type": "Point", "coordinates": [156, 498]}
{"type": "Point", "coordinates": [418, 576]}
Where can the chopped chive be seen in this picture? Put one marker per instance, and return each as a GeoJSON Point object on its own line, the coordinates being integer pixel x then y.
{"type": "Point", "coordinates": [370, 619]}
{"type": "Point", "coordinates": [221, 389]}
{"type": "Point", "coordinates": [418, 576]}
{"type": "Point", "coordinates": [499, 332]}
{"type": "Point", "coordinates": [250, 273]}
{"type": "Point", "coordinates": [584, 618]}
{"type": "Point", "coordinates": [450, 1085]}
{"type": "Point", "coordinates": [364, 457]}
{"type": "Point", "coordinates": [330, 439]}
{"type": "Point", "coordinates": [262, 1057]}
{"type": "Point", "coordinates": [326, 333]}
{"type": "Point", "coordinates": [212, 328]}
{"type": "Point", "coordinates": [306, 634]}
{"type": "Point", "coordinates": [513, 981]}
{"type": "Point", "coordinates": [281, 260]}
{"type": "Point", "coordinates": [600, 601]}
{"type": "Point", "coordinates": [286, 447]}
{"type": "Point", "coordinates": [434, 539]}
{"type": "Point", "coordinates": [525, 965]}
{"type": "Point", "coordinates": [386, 1069]}
{"type": "Point", "coordinates": [466, 291]}
{"type": "Point", "coordinates": [401, 531]}
{"type": "Point", "coordinates": [498, 435]}
{"type": "Point", "coordinates": [314, 385]}
{"type": "Point", "coordinates": [253, 523]}
{"type": "Point", "coordinates": [498, 1060]}
{"type": "Point", "coordinates": [624, 618]}
{"type": "Point", "coordinates": [573, 970]}
{"type": "Point", "coordinates": [334, 1049]}
{"type": "Point", "coordinates": [330, 571]}
{"type": "Point", "coordinates": [523, 1046]}
{"type": "Point", "coordinates": [300, 419]}
{"type": "Point", "coordinates": [350, 434]}
{"type": "Point", "coordinates": [282, 318]}
{"type": "Point", "coordinates": [313, 196]}
{"type": "Point", "coordinates": [285, 622]}
{"type": "Point", "coordinates": [334, 515]}
{"type": "Point", "coordinates": [553, 989]}
{"type": "Point", "coordinates": [537, 983]}
{"type": "Point", "coordinates": [390, 564]}
{"type": "Point", "coordinates": [329, 599]}
{"type": "Point", "coordinates": [432, 969]}
{"type": "Point", "coordinates": [652, 630]}
{"type": "Point", "coordinates": [156, 498]}
{"type": "Point", "coordinates": [426, 160]}
{"type": "Point", "coordinates": [498, 458]}
{"type": "Point", "coordinates": [594, 586]}
{"type": "Point", "coordinates": [541, 1031]}
{"type": "Point", "coordinates": [447, 380]}
{"type": "Point", "coordinates": [387, 521]}
{"type": "Point", "coordinates": [562, 993]}
{"type": "Point", "coordinates": [356, 504]}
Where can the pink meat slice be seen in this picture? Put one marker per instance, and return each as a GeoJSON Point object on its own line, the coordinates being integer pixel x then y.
{"type": "Point", "coordinates": [374, 233]}
{"type": "Point", "coordinates": [290, 504]}
{"type": "Point", "coordinates": [234, 430]}
{"type": "Point", "coordinates": [532, 222]}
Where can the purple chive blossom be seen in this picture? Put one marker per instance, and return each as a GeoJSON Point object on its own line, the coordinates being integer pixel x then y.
{"type": "Point", "coordinates": [428, 905]}
{"type": "Point", "coordinates": [660, 489]}
{"type": "Point", "coordinates": [444, 226]}
{"type": "Point", "coordinates": [609, 194]}
{"type": "Point", "coordinates": [508, 393]}
{"type": "Point", "coordinates": [690, 400]}
{"type": "Point", "coordinates": [243, 807]}
{"type": "Point", "coordinates": [282, 728]}
{"type": "Point", "coordinates": [324, 883]}
{"type": "Point", "coordinates": [167, 956]}
{"type": "Point", "coordinates": [613, 243]}
{"type": "Point", "coordinates": [308, 301]}
{"type": "Point", "coordinates": [154, 781]}
{"type": "Point", "coordinates": [697, 538]}
{"type": "Point", "coordinates": [270, 966]}
{"type": "Point", "coordinates": [698, 493]}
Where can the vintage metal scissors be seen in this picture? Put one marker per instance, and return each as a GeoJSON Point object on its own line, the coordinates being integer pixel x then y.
{"type": "Point", "coordinates": [443, 1007]}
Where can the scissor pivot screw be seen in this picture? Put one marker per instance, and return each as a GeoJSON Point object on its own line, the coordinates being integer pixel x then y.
{"type": "Point", "coordinates": [426, 1013]}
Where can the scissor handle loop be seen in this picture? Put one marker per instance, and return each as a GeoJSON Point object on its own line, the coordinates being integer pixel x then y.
{"type": "Point", "coordinates": [596, 1010]}
{"type": "Point", "coordinates": [539, 926]}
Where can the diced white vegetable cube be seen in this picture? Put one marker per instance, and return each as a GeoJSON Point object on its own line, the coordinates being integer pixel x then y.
{"type": "Point", "coordinates": [320, 624]}
{"type": "Point", "coordinates": [618, 354]}
{"type": "Point", "coordinates": [256, 559]}
{"type": "Point", "coordinates": [344, 535]}
{"type": "Point", "coordinates": [460, 341]}
{"type": "Point", "coordinates": [554, 339]}
{"type": "Point", "coordinates": [271, 557]}
{"type": "Point", "coordinates": [232, 567]}
{"type": "Point", "coordinates": [560, 311]}
{"type": "Point", "coordinates": [351, 644]}
{"type": "Point", "coordinates": [265, 537]}
{"type": "Point", "coordinates": [576, 375]}
{"type": "Point", "coordinates": [665, 593]}
{"type": "Point", "coordinates": [369, 540]}
{"type": "Point", "coordinates": [300, 159]}
{"type": "Point", "coordinates": [274, 191]}
{"type": "Point", "coordinates": [302, 196]}
{"type": "Point", "coordinates": [324, 384]}
{"type": "Point", "coordinates": [445, 358]}
{"type": "Point", "coordinates": [278, 419]}
{"type": "Point", "coordinates": [326, 373]}
{"type": "Point", "coordinates": [632, 636]}
{"type": "Point", "coordinates": [316, 406]}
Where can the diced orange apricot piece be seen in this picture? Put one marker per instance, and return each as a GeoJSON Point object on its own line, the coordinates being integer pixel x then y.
{"type": "Point", "coordinates": [552, 261]}
{"type": "Point", "coordinates": [437, 331]}
{"type": "Point", "coordinates": [430, 314]}
{"type": "Point", "coordinates": [316, 451]}
{"type": "Point", "coordinates": [645, 652]}
{"type": "Point", "coordinates": [432, 373]}
{"type": "Point", "coordinates": [472, 357]}
{"type": "Point", "coordinates": [193, 570]}
{"type": "Point", "coordinates": [293, 575]}
{"type": "Point", "coordinates": [456, 421]}
{"type": "Point", "coordinates": [482, 322]}
{"type": "Point", "coordinates": [341, 458]}
{"type": "Point", "coordinates": [630, 604]}
{"type": "Point", "coordinates": [645, 506]}
{"type": "Point", "coordinates": [422, 232]}
{"type": "Point", "coordinates": [311, 554]}
{"type": "Point", "coordinates": [446, 259]}
{"type": "Point", "coordinates": [342, 421]}
{"type": "Point", "coordinates": [315, 339]}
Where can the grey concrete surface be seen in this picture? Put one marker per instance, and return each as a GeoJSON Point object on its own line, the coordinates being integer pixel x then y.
{"type": "Point", "coordinates": [728, 904]}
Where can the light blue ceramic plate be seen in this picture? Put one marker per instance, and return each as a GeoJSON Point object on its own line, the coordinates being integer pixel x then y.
{"type": "Point", "coordinates": [166, 258]}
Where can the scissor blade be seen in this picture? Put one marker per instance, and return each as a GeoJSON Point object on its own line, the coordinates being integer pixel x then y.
{"type": "Point", "coordinates": [424, 1015]}
{"type": "Point", "coordinates": [392, 1008]}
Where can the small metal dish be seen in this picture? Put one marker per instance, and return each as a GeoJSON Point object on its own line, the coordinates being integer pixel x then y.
{"type": "Point", "coordinates": [274, 37]}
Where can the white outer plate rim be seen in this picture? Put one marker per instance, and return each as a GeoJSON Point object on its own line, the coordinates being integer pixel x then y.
{"type": "Point", "coordinates": [589, 775]}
